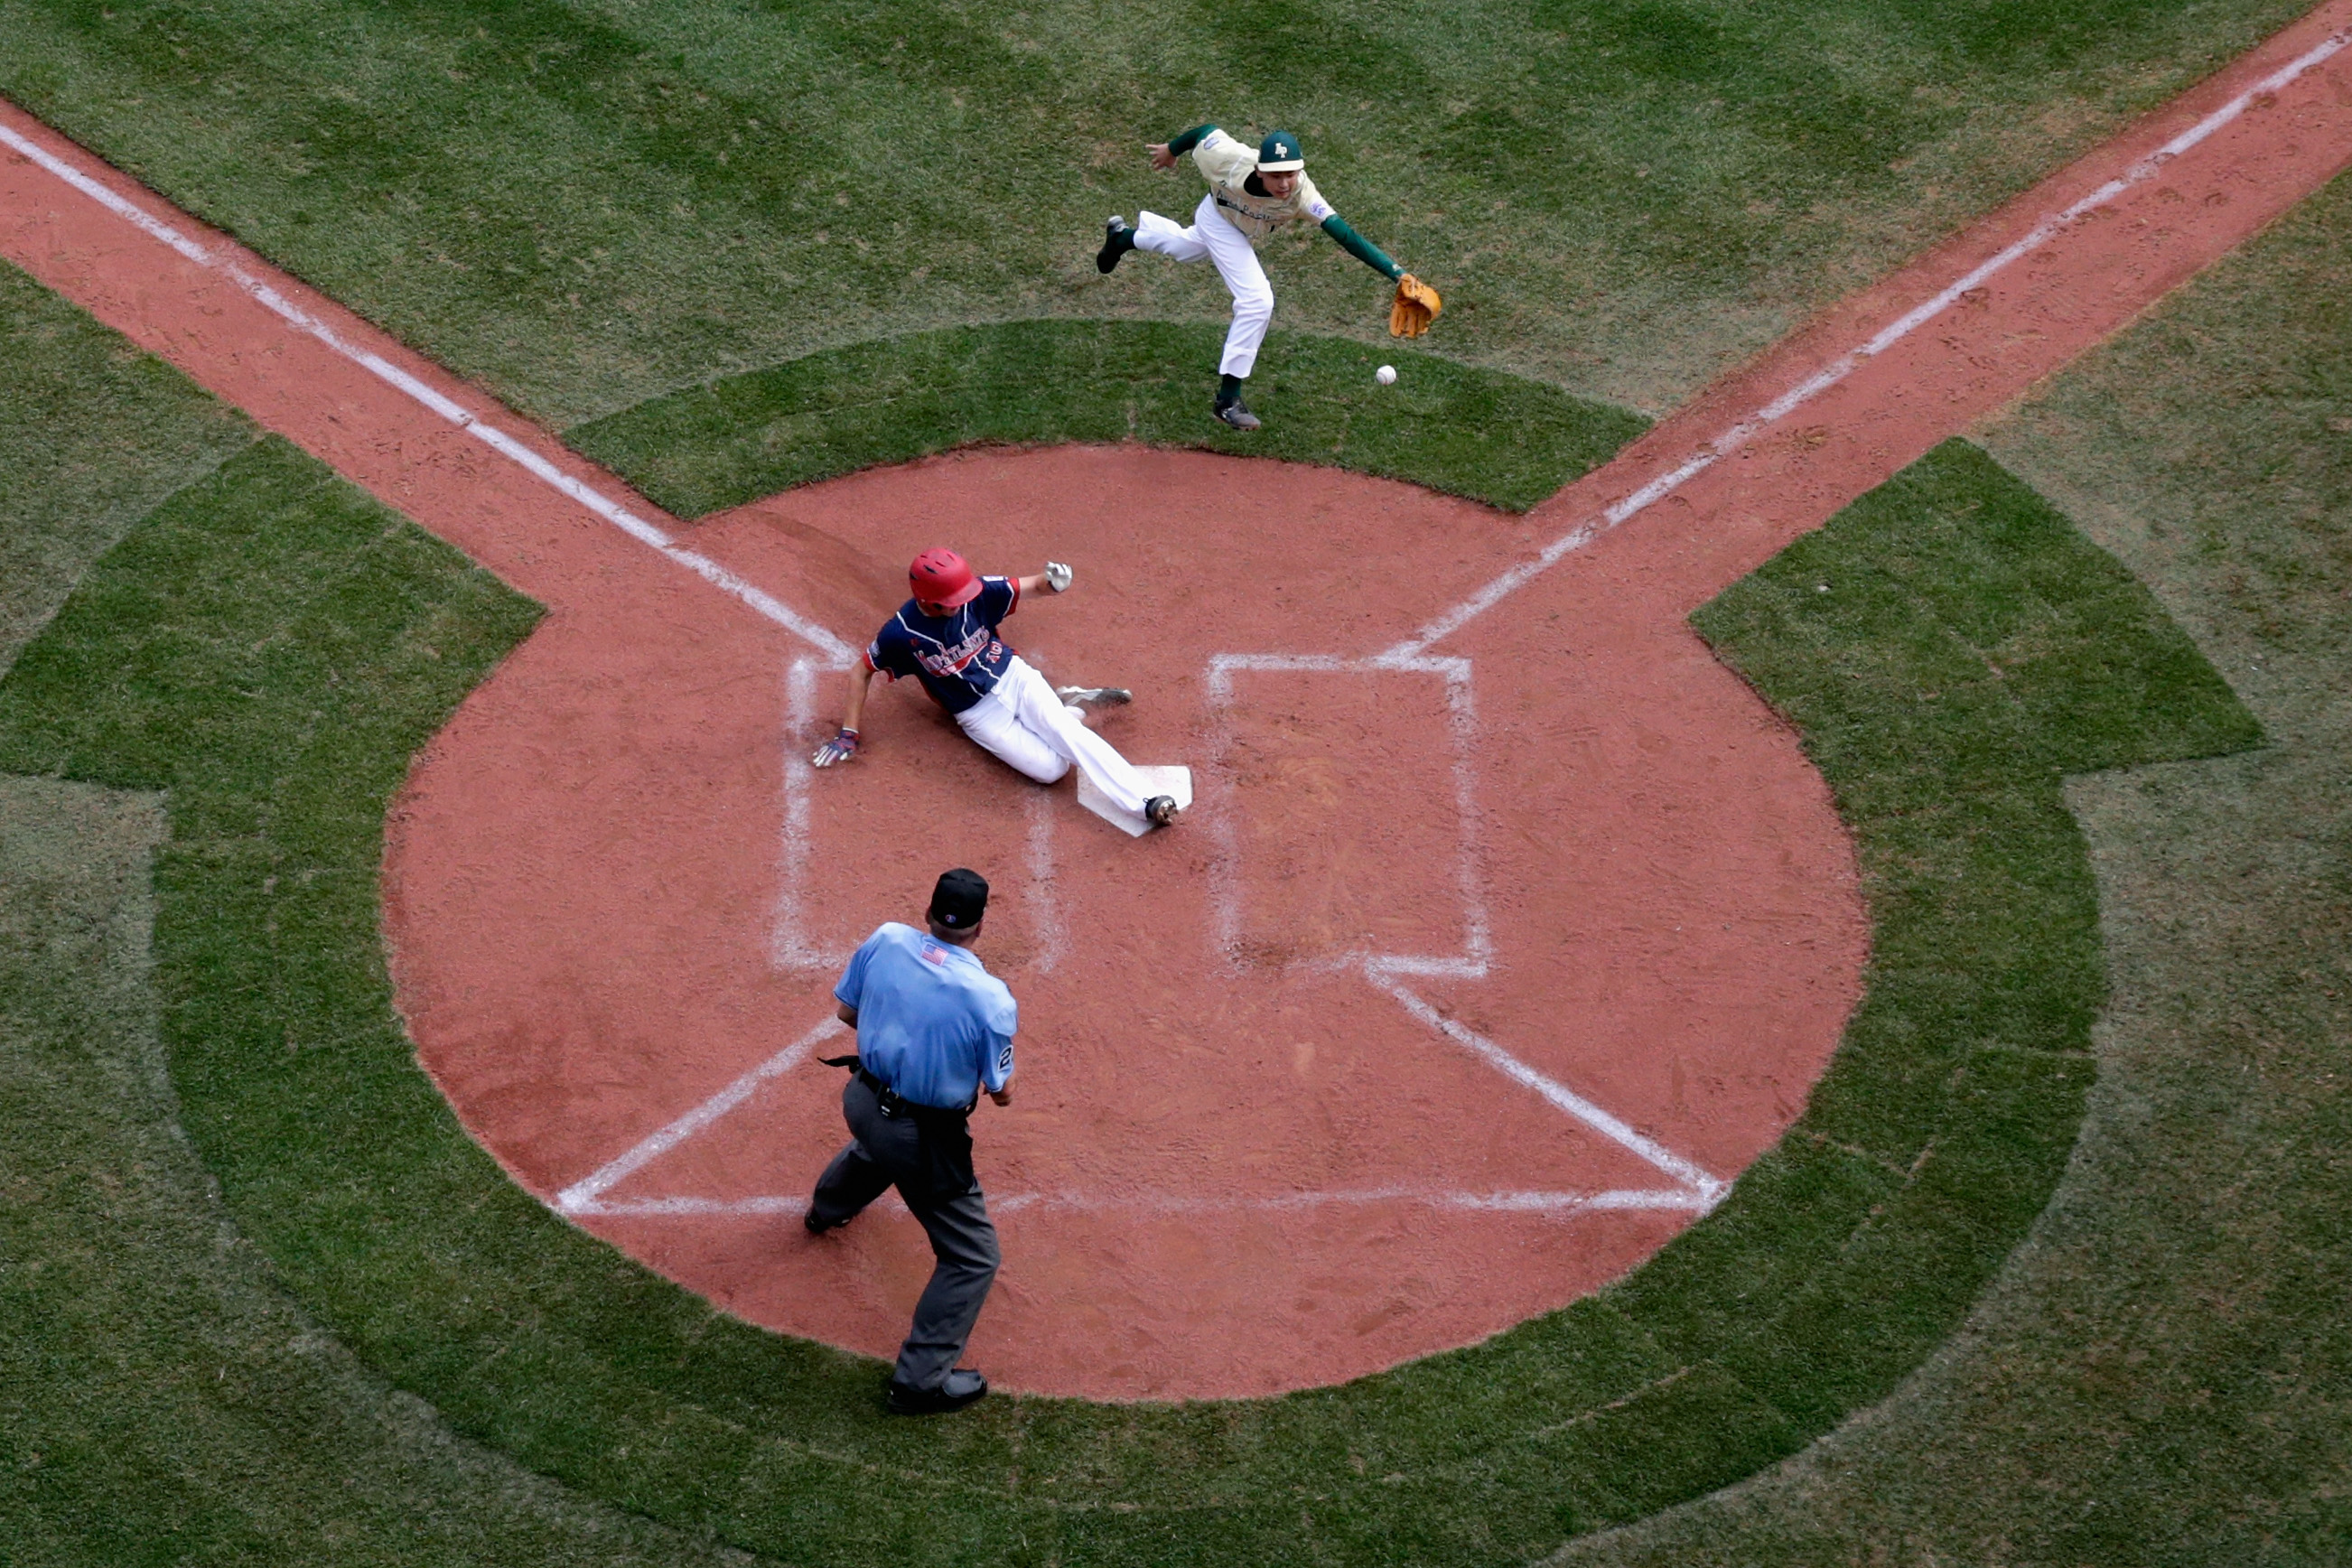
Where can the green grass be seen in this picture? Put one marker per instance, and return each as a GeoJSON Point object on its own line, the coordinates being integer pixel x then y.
{"type": "Point", "coordinates": [587, 204]}
{"type": "Point", "coordinates": [1620, 200]}
{"type": "Point", "coordinates": [92, 436]}
{"type": "Point", "coordinates": [2162, 1375]}
{"type": "Point", "coordinates": [1492, 437]}
{"type": "Point", "coordinates": [268, 647]}
{"type": "Point", "coordinates": [162, 1400]}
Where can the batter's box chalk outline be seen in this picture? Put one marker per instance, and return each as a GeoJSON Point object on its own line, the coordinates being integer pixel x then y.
{"type": "Point", "coordinates": [1224, 880]}
{"type": "Point", "coordinates": [790, 945]}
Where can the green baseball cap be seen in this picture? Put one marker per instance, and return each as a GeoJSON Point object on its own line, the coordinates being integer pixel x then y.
{"type": "Point", "coordinates": [1279, 152]}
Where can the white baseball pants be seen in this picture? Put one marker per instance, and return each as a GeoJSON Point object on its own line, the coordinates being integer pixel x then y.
{"type": "Point", "coordinates": [1213, 237]}
{"type": "Point", "coordinates": [1026, 726]}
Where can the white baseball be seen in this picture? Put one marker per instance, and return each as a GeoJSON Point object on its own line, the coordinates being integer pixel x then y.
{"type": "Point", "coordinates": [1385, 375]}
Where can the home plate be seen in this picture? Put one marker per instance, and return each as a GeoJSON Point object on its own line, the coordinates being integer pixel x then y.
{"type": "Point", "coordinates": [1177, 782]}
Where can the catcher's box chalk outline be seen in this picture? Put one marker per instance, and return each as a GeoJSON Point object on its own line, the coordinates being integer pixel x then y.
{"type": "Point", "coordinates": [586, 1196]}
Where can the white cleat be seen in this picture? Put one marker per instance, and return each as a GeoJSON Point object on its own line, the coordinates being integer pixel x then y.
{"type": "Point", "coordinates": [1093, 695]}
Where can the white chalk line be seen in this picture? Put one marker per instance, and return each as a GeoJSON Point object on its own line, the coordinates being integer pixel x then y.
{"type": "Point", "coordinates": [586, 495]}
{"type": "Point", "coordinates": [1224, 889]}
{"type": "Point", "coordinates": [582, 1196]}
{"type": "Point", "coordinates": [1698, 1191]}
{"type": "Point", "coordinates": [1704, 1187]}
{"type": "Point", "coordinates": [1383, 969]}
{"type": "Point", "coordinates": [1747, 429]}
{"type": "Point", "coordinates": [790, 945]}
{"type": "Point", "coordinates": [1045, 909]}
{"type": "Point", "coordinates": [1551, 1205]}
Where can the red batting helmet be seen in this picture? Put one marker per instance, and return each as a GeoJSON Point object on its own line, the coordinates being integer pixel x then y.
{"type": "Point", "coordinates": [942, 577]}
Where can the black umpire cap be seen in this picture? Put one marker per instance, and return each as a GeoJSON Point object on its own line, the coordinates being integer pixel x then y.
{"type": "Point", "coordinates": [960, 900]}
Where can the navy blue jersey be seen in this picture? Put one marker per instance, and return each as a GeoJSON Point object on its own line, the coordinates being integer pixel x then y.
{"type": "Point", "coordinates": [958, 656]}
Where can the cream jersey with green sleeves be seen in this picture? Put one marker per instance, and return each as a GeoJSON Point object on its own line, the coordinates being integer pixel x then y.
{"type": "Point", "coordinates": [1227, 164]}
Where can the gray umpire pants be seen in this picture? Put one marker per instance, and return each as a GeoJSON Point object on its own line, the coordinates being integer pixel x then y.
{"type": "Point", "coordinates": [929, 1161]}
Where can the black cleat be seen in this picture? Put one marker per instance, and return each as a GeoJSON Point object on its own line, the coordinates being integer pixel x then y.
{"type": "Point", "coordinates": [816, 1226]}
{"type": "Point", "coordinates": [1231, 410]}
{"type": "Point", "coordinates": [1117, 240]}
{"type": "Point", "coordinates": [1160, 810]}
{"type": "Point", "coordinates": [963, 1386]}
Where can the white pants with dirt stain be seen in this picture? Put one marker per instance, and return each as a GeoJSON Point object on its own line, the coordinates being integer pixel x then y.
{"type": "Point", "coordinates": [1212, 238]}
{"type": "Point", "coordinates": [1026, 726]}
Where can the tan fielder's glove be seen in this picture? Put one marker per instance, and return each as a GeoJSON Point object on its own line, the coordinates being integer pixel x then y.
{"type": "Point", "coordinates": [1415, 307]}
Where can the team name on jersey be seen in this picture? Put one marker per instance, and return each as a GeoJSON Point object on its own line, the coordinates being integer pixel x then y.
{"type": "Point", "coordinates": [950, 658]}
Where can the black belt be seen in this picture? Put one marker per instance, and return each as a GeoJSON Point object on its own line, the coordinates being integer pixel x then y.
{"type": "Point", "coordinates": [892, 1103]}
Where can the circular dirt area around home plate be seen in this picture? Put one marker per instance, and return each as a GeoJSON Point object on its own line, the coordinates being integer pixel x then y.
{"type": "Point", "coordinates": [1465, 984]}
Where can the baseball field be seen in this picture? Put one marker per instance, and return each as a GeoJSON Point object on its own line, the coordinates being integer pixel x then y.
{"type": "Point", "coordinates": [1761, 970]}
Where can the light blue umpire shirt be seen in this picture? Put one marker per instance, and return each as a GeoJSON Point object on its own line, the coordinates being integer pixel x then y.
{"type": "Point", "coordinates": [931, 1022]}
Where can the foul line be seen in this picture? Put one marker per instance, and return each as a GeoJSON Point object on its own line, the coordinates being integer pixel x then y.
{"type": "Point", "coordinates": [1747, 429]}
{"type": "Point", "coordinates": [1705, 1188]}
{"type": "Point", "coordinates": [581, 1197]}
{"type": "Point", "coordinates": [637, 528]}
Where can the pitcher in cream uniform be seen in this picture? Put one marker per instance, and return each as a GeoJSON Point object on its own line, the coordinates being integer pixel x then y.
{"type": "Point", "coordinates": [1252, 191]}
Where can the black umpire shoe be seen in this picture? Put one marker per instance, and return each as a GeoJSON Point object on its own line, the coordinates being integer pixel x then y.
{"type": "Point", "coordinates": [1230, 410]}
{"type": "Point", "coordinates": [961, 1386]}
{"type": "Point", "coordinates": [816, 1226]}
{"type": "Point", "coordinates": [1117, 240]}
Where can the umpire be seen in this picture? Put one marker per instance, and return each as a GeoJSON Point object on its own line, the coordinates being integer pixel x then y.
{"type": "Point", "coordinates": [934, 1028]}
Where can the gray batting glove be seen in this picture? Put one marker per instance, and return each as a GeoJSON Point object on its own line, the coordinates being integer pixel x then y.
{"type": "Point", "coordinates": [1057, 577]}
{"type": "Point", "coordinates": [840, 749]}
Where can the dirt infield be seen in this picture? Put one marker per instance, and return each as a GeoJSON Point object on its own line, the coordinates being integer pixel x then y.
{"type": "Point", "coordinates": [1508, 926]}
{"type": "Point", "coordinates": [1242, 1158]}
